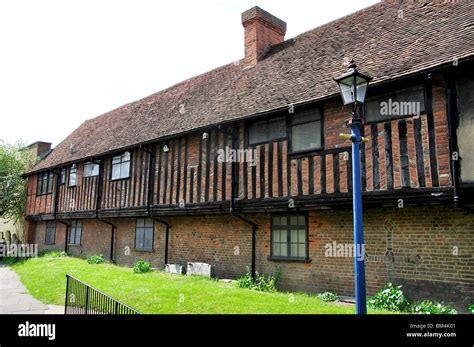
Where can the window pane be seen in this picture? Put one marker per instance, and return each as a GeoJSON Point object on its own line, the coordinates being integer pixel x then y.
{"type": "Point", "coordinates": [149, 239]}
{"type": "Point", "coordinates": [294, 236]}
{"type": "Point", "coordinates": [117, 159]}
{"type": "Point", "coordinates": [149, 223]}
{"type": "Point", "coordinates": [276, 220]}
{"type": "Point", "coordinates": [276, 249]}
{"type": "Point", "coordinates": [398, 103]}
{"type": "Point", "coordinates": [306, 116]}
{"type": "Point", "coordinates": [267, 130]}
{"type": "Point", "coordinates": [276, 235]}
{"type": "Point", "coordinates": [306, 136]}
{"type": "Point", "coordinates": [125, 170]}
{"type": "Point", "coordinates": [140, 238]}
{"type": "Point", "coordinates": [294, 250]}
{"type": "Point", "coordinates": [78, 236]}
{"type": "Point", "coordinates": [283, 236]}
{"type": "Point", "coordinates": [294, 220]}
{"type": "Point", "coordinates": [301, 220]}
{"type": "Point", "coordinates": [284, 250]}
{"type": "Point", "coordinates": [301, 250]}
{"type": "Point", "coordinates": [140, 222]}
{"type": "Point", "coordinates": [115, 171]}
{"type": "Point", "coordinates": [301, 235]}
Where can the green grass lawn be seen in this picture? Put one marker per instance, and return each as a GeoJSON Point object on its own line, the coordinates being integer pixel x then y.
{"type": "Point", "coordinates": [158, 292]}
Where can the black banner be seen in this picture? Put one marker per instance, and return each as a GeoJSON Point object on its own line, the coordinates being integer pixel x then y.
{"type": "Point", "coordinates": [322, 330]}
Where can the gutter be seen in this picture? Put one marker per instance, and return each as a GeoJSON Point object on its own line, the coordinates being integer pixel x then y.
{"type": "Point", "coordinates": [167, 237]}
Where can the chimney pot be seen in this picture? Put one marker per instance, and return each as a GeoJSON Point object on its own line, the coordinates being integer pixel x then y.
{"type": "Point", "coordinates": [262, 30]}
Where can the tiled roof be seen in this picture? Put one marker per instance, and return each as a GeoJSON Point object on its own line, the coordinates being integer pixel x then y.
{"type": "Point", "coordinates": [387, 41]}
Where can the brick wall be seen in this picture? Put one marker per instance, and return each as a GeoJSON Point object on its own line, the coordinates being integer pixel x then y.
{"type": "Point", "coordinates": [441, 237]}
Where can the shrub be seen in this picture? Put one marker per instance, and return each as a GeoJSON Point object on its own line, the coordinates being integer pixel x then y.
{"type": "Point", "coordinates": [262, 283]}
{"type": "Point", "coordinates": [141, 267]}
{"type": "Point", "coordinates": [471, 308]}
{"type": "Point", "coordinates": [9, 260]}
{"type": "Point", "coordinates": [390, 298]}
{"type": "Point", "coordinates": [96, 259]}
{"type": "Point", "coordinates": [431, 307]}
{"type": "Point", "coordinates": [328, 296]}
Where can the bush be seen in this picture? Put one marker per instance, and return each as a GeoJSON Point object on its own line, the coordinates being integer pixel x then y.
{"type": "Point", "coordinates": [390, 298]}
{"type": "Point", "coordinates": [261, 283]}
{"type": "Point", "coordinates": [96, 259]}
{"type": "Point", "coordinates": [471, 308]}
{"type": "Point", "coordinates": [141, 267]}
{"type": "Point", "coordinates": [430, 307]}
{"type": "Point", "coordinates": [328, 296]}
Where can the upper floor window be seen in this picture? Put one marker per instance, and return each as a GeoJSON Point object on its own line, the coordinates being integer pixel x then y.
{"type": "Point", "coordinates": [62, 179]}
{"type": "Point", "coordinates": [45, 183]}
{"type": "Point", "coordinates": [75, 234]}
{"type": "Point", "coordinates": [121, 166]}
{"type": "Point", "coordinates": [306, 130]}
{"type": "Point", "coordinates": [267, 130]}
{"type": "Point", "coordinates": [289, 236]}
{"type": "Point", "coordinates": [91, 169]}
{"type": "Point", "coordinates": [144, 234]}
{"type": "Point", "coordinates": [395, 104]}
{"type": "Point", "coordinates": [50, 233]}
{"type": "Point", "coordinates": [73, 176]}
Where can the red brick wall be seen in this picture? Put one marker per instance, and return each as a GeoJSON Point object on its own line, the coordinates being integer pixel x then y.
{"type": "Point", "coordinates": [225, 242]}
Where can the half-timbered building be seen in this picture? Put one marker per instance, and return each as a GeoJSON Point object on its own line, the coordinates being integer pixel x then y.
{"type": "Point", "coordinates": [243, 167]}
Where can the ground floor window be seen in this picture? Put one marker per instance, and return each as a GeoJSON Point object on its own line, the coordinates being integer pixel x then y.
{"type": "Point", "coordinates": [75, 234]}
{"type": "Point", "coordinates": [144, 234]}
{"type": "Point", "coordinates": [289, 237]}
{"type": "Point", "coordinates": [50, 234]}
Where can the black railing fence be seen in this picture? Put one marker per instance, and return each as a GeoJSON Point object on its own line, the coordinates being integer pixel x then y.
{"type": "Point", "coordinates": [81, 298]}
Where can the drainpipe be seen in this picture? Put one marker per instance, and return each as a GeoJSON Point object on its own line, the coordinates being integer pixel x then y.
{"type": "Point", "coordinates": [67, 232]}
{"type": "Point", "coordinates": [151, 177]}
{"type": "Point", "coordinates": [453, 147]}
{"type": "Point", "coordinates": [167, 236]}
{"type": "Point", "coordinates": [56, 192]}
{"type": "Point", "coordinates": [254, 241]}
{"type": "Point", "coordinates": [98, 194]}
{"type": "Point", "coordinates": [112, 238]}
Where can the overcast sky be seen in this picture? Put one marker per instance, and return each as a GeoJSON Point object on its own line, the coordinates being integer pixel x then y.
{"type": "Point", "coordinates": [64, 61]}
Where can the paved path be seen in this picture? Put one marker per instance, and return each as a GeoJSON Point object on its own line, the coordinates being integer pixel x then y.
{"type": "Point", "coordinates": [14, 297]}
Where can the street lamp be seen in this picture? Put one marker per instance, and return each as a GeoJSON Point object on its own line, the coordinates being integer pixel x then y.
{"type": "Point", "coordinates": [353, 86]}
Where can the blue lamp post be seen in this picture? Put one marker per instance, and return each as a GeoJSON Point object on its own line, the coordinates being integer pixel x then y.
{"type": "Point", "coordinates": [353, 86]}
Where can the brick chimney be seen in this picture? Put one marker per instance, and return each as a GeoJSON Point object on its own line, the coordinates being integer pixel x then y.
{"type": "Point", "coordinates": [262, 30]}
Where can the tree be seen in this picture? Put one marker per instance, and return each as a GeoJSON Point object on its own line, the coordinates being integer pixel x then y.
{"type": "Point", "coordinates": [15, 160]}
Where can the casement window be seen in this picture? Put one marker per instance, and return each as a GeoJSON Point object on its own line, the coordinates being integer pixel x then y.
{"type": "Point", "coordinates": [73, 176]}
{"type": "Point", "coordinates": [289, 238]}
{"type": "Point", "coordinates": [144, 234]}
{"type": "Point", "coordinates": [62, 179]}
{"type": "Point", "coordinates": [267, 130]}
{"type": "Point", "coordinates": [395, 104]}
{"type": "Point", "coordinates": [45, 183]}
{"type": "Point", "coordinates": [306, 130]}
{"type": "Point", "coordinates": [121, 166]}
{"type": "Point", "coordinates": [50, 234]}
{"type": "Point", "coordinates": [91, 169]}
{"type": "Point", "coordinates": [75, 232]}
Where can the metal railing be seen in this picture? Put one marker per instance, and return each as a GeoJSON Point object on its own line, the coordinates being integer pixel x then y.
{"type": "Point", "coordinates": [81, 298]}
